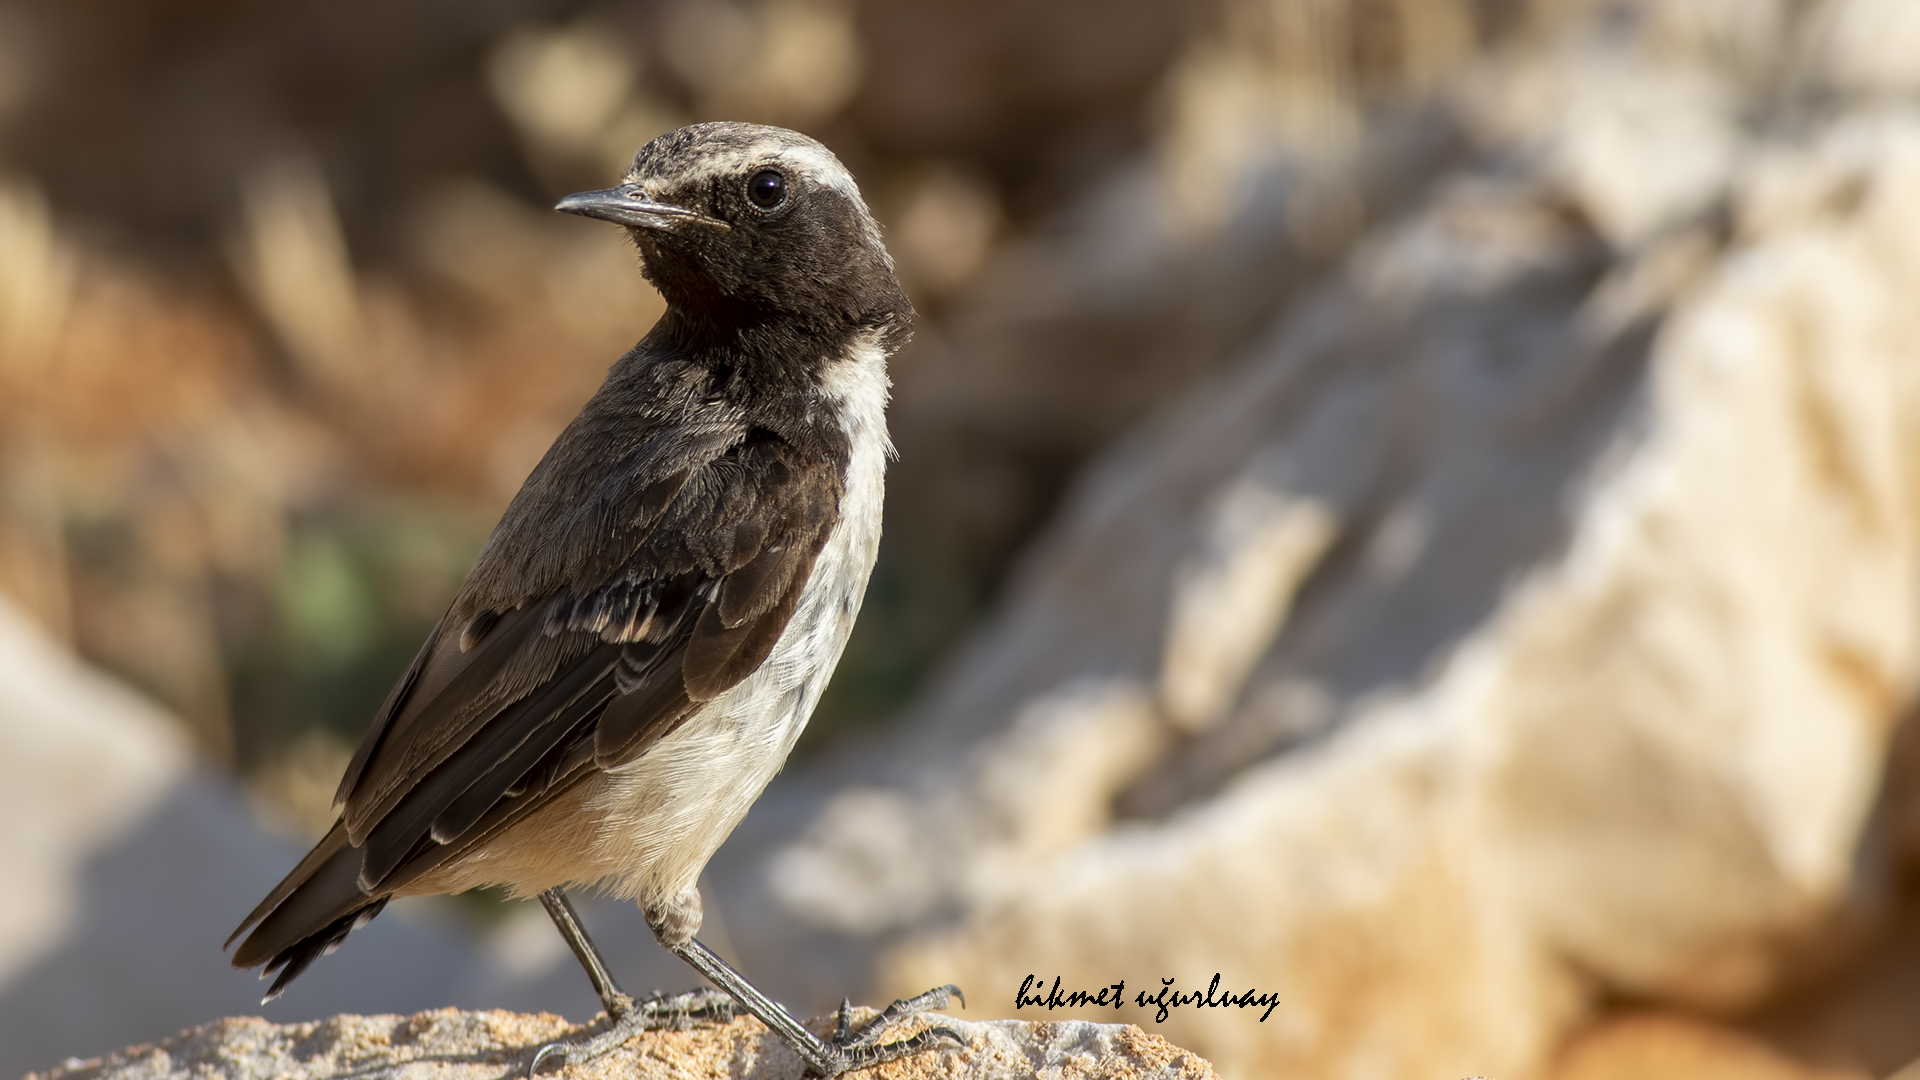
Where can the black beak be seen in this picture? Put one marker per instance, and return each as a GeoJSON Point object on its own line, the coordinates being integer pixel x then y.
{"type": "Point", "coordinates": [629, 205]}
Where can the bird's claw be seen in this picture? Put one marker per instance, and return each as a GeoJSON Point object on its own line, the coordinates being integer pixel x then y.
{"type": "Point", "coordinates": [858, 1048]}
{"type": "Point", "coordinates": [549, 1051]}
{"type": "Point", "coordinates": [660, 1012]}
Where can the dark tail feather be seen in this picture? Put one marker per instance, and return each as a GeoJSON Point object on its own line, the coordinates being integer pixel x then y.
{"type": "Point", "coordinates": [329, 846]}
{"type": "Point", "coordinates": [309, 914]}
{"type": "Point", "coordinates": [296, 958]}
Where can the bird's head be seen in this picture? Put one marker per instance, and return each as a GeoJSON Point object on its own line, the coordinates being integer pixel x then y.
{"type": "Point", "coordinates": [742, 225]}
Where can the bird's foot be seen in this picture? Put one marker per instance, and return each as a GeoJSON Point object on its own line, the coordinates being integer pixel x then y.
{"type": "Point", "coordinates": [661, 1012]}
{"type": "Point", "coordinates": [849, 1048]}
{"type": "Point", "coordinates": [678, 1012]}
{"type": "Point", "coordinates": [859, 1048]}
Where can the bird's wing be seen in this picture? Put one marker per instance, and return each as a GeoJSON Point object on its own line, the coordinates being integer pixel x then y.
{"type": "Point", "coordinates": [518, 702]}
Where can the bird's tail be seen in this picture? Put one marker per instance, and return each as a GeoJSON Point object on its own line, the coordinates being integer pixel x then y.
{"type": "Point", "coordinates": [307, 915]}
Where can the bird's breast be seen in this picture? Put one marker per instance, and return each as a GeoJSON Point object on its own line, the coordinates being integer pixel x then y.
{"type": "Point", "coordinates": [664, 820]}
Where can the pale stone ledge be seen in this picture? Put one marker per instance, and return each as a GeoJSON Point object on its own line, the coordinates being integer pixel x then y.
{"type": "Point", "coordinates": [450, 1044]}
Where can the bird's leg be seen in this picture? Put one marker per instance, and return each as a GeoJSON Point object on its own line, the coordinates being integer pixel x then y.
{"type": "Point", "coordinates": [628, 1017]}
{"type": "Point", "coordinates": [617, 1001]}
{"type": "Point", "coordinates": [849, 1049]}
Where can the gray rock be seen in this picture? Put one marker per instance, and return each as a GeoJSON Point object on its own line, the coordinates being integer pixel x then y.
{"type": "Point", "coordinates": [128, 865]}
{"type": "Point", "coordinates": [450, 1045]}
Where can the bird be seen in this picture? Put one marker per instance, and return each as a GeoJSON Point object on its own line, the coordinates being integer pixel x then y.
{"type": "Point", "coordinates": [648, 628]}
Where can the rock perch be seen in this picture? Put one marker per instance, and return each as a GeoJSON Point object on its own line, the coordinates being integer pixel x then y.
{"type": "Point", "coordinates": [450, 1044]}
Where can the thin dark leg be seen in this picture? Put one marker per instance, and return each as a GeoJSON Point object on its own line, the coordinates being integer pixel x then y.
{"type": "Point", "coordinates": [618, 1002]}
{"type": "Point", "coordinates": [626, 1016]}
{"type": "Point", "coordinates": [849, 1049]}
{"type": "Point", "coordinates": [820, 1057]}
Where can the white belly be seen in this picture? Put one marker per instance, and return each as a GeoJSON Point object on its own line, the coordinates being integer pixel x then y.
{"type": "Point", "coordinates": [672, 807]}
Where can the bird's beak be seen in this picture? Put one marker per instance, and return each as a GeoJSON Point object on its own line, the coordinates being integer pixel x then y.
{"type": "Point", "coordinates": [628, 204]}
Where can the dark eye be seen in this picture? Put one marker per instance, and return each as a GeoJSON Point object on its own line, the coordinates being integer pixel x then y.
{"type": "Point", "coordinates": [767, 189]}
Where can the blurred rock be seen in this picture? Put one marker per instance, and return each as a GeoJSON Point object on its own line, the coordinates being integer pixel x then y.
{"type": "Point", "coordinates": [1657, 1047]}
{"type": "Point", "coordinates": [1857, 1013]}
{"type": "Point", "coordinates": [1043, 95]}
{"type": "Point", "coordinates": [1071, 333]}
{"type": "Point", "coordinates": [448, 1044]}
{"type": "Point", "coordinates": [1521, 622]}
{"type": "Point", "coordinates": [127, 865]}
{"type": "Point", "coordinates": [1150, 245]}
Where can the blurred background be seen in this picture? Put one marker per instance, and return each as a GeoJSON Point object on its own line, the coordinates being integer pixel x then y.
{"type": "Point", "coordinates": [1410, 503]}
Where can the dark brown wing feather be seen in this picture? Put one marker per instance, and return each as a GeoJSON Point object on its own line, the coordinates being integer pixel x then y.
{"type": "Point", "coordinates": [515, 699]}
{"type": "Point", "coordinates": [719, 656]}
{"type": "Point", "coordinates": [539, 719]}
{"type": "Point", "coordinates": [634, 722]}
{"type": "Point", "coordinates": [458, 692]}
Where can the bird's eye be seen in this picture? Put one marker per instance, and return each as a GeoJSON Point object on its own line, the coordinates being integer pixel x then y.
{"type": "Point", "coordinates": [767, 189]}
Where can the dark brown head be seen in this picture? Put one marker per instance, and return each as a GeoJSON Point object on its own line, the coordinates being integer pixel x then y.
{"type": "Point", "coordinates": [741, 225]}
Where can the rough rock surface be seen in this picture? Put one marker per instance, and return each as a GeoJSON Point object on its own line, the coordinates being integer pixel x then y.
{"type": "Point", "coordinates": [451, 1045]}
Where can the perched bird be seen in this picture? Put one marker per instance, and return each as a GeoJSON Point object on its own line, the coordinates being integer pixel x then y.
{"type": "Point", "coordinates": [653, 620]}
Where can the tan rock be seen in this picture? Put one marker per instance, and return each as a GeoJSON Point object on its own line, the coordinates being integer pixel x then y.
{"type": "Point", "coordinates": [448, 1044]}
{"type": "Point", "coordinates": [1732, 634]}
{"type": "Point", "coordinates": [1584, 518]}
{"type": "Point", "coordinates": [1657, 1046]}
